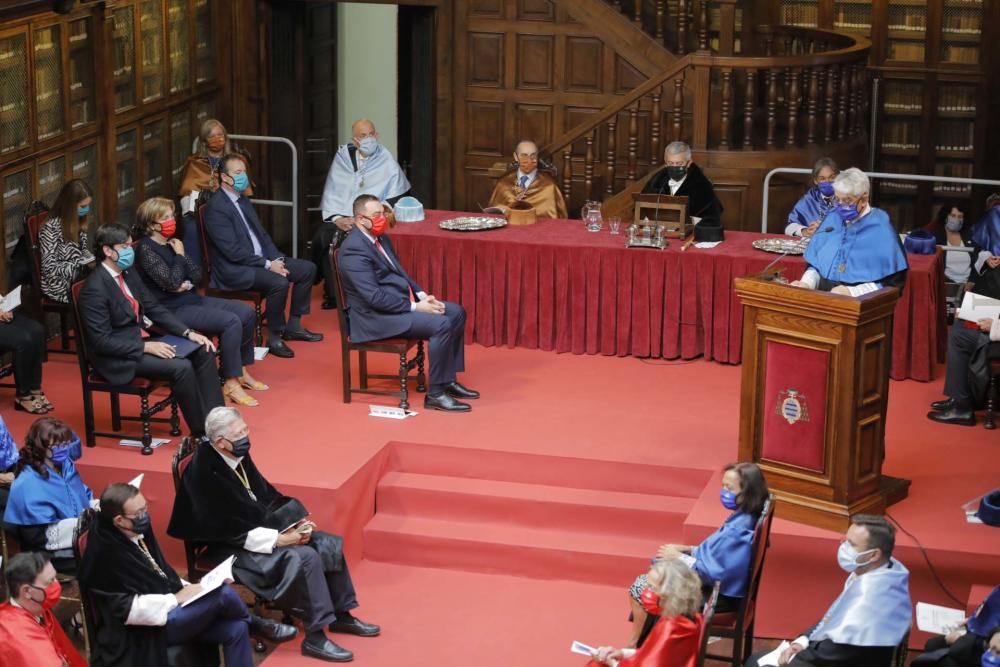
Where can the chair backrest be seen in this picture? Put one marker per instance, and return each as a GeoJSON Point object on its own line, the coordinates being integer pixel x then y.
{"type": "Point", "coordinates": [182, 459]}
{"type": "Point", "coordinates": [342, 309]}
{"type": "Point", "coordinates": [81, 338]}
{"type": "Point", "coordinates": [81, 534]}
{"type": "Point", "coordinates": [33, 225]}
{"type": "Point", "coordinates": [761, 540]}
{"type": "Point", "coordinates": [707, 614]}
{"type": "Point", "coordinates": [206, 264]}
{"type": "Point", "coordinates": [899, 655]}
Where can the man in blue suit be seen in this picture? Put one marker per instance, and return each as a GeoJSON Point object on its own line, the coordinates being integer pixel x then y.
{"type": "Point", "coordinates": [384, 302]}
{"type": "Point", "coordinates": [244, 257]}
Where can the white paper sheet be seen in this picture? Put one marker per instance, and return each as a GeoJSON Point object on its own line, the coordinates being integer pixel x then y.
{"type": "Point", "coordinates": [223, 572]}
{"type": "Point", "coordinates": [771, 659]}
{"type": "Point", "coordinates": [937, 619]}
{"type": "Point", "coordinates": [259, 353]}
{"type": "Point", "coordinates": [707, 244]}
{"type": "Point", "coordinates": [156, 442]}
{"type": "Point", "coordinates": [581, 648]}
{"type": "Point", "coordinates": [12, 300]}
{"type": "Point", "coordinates": [137, 482]}
{"type": "Point", "coordinates": [976, 307]}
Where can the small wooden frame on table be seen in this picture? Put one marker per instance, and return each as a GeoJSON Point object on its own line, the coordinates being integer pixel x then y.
{"type": "Point", "coordinates": [665, 212]}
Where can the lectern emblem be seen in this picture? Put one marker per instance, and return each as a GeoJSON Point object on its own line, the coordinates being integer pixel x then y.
{"type": "Point", "coordinates": [792, 406]}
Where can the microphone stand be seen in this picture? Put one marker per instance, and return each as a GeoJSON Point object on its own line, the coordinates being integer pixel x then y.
{"type": "Point", "coordinates": [784, 254]}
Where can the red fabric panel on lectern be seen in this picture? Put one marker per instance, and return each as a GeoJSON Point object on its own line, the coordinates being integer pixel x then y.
{"type": "Point", "coordinates": [794, 405]}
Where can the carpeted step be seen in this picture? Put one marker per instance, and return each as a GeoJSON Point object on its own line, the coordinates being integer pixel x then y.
{"type": "Point", "coordinates": [489, 502]}
{"type": "Point", "coordinates": [497, 548]}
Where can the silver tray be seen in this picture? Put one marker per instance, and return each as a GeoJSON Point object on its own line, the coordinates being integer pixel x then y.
{"type": "Point", "coordinates": [473, 223]}
{"type": "Point", "coordinates": [787, 246]}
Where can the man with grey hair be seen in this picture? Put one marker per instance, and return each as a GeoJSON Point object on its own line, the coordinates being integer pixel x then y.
{"type": "Point", "coordinates": [225, 504]}
{"type": "Point", "coordinates": [856, 250]}
{"type": "Point", "coordinates": [683, 178]}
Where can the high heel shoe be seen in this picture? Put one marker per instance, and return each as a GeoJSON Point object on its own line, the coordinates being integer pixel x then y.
{"type": "Point", "coordinates": [248, 382]}
{"type": "Point", "coordinates": [41, 399]}
{"type": "Point", "coordinates": [243, 399]}
{"type": "Point", "coordinates": [29, 404]}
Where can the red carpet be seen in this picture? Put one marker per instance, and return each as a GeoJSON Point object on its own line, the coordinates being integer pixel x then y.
{"type": "Point", "coordinates": [571, 469]}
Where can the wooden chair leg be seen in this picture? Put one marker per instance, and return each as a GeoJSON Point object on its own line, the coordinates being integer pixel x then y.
{"type": "Point", "coordinates": [116, 412]}
{"type": "Point", "coordinates": [421, 377]}
{"type": "Point", "coordinates": [147, 436]}
{"type": "Point", "coordinates": [345, 371]}
{"type": "Point", "coordinates": [64, 331]}
{"type": "Point", "coordinates": [991, 404]}
{"type": "Point", "coordinates": [175, 420]}
{"type": "Point", "coordinates": [363, 368]}
{"type": "Point", "coordinates": [88, 417]}
{"type": "Point", "coordinates": [404, 370]}
{"type": "Point", "coordinates": [259, 327]}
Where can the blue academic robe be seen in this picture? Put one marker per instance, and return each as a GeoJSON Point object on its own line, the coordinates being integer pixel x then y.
{"type": "Point", "coordinates": [864, 251]}
{"type": "Point", "coordinates": [987, 616]}
{"type": "Point", "coordinates": [724, 556]}
{"type": "Point", "coordinates": [812, 206]}
{"type": "Point", "coordinates": [986, 233]}
{"type": "Point", "coordinates": [8, 448]}
{"type": "Point", "coordinates": [380, 176]}
{"type": "Point", "coordinates": [35, 501]}
{"type": "Point", "coordinates": [874, 609]}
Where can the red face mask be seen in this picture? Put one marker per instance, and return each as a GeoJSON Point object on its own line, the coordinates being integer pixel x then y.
{"type": "Point", "coordinates": [650, 600]}
{"type": "Point", "coordinates": [52, 594]}
{"type": "Point", "coordinates": [168, 227]}
{"type": "Point", "coordinates": [379, 225]}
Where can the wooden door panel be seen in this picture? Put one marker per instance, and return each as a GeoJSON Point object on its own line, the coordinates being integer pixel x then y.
{"type": "Point", "coordinates": [486, 58]}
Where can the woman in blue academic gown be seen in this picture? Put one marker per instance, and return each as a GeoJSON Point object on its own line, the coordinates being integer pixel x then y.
{"type": "Point", "coordinates": [47, 495]}
{"type": "Point", "coordinates": [725, 555]}
{"type": "Point", "coordinates": [816, 202]}
{"type": "Point", "coordinates": [8, 460]}
{"type": "Point", "coordinates": [855, 250]}
{"type": "Point", "coordinates": [964, 646]}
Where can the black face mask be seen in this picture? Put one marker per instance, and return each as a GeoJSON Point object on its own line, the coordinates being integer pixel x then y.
{"type": "Point", "coordinates": [141, 525]}
{"type": "Point", "coordinates": [677, 173]}
{"type": "Point", "coordinates": [241, 447]}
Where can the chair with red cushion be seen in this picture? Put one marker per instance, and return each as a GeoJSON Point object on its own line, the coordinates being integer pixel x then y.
{"type": "Point", "coordinates": [738, 625]}
{"type": "Point", "coordinates": [256, 298]}
{"type": "Point", "coordinates": [141, 387]}
{"type": "Point", "coordinates": [707, 615]}
{"type": "Point", "coordinates": [398, 346]}
{"type": "Point", "coordinates": [47, 305]}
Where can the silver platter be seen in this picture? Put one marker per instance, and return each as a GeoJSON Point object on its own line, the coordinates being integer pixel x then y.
{"type": "Point", "coordinates": [473, 223]}
{"type": "Point", "coordinates": [787, 246]}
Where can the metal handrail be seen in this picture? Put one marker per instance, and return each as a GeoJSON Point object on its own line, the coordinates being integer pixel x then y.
{"type": "Point", "coordinates": [869, 174]}
{"type": "Point", "coordinates": [294, 203]}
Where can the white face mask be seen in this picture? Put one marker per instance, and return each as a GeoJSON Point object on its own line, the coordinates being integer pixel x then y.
{"type": "Point", "coordinates": [368, 145]}
{"type": "Point", "coordinates": [953, 224]}
{"type": "Point", "coordinates": [847, 557]}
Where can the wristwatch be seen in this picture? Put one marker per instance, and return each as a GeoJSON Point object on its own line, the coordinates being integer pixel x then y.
{"type": "Point", "coordinates": [187, 333]}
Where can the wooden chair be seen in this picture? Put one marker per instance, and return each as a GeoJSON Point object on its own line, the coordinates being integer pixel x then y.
{"type": "Point", "coordinates": [707, 615]}
{"type": "Point", "coordinates": [899, 655]}
{"type": "Point", "coordinates": [256, 298]}
{"type": "Point", "coordinates": [195, 555]}
{"type": "Point", "coordinates": [738, 625]}
{"type": "Point", "coordinates": [398, 346]}
{"type": "Point", "coordinates": [141, 387]}
{"type": "Point", "coordinates": [991, 395]}
{"type": "Point", "coordinates": [45, 304]}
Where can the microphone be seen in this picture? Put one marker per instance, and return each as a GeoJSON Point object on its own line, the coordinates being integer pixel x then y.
{"type": "Point", "coordinates": [790, 248]}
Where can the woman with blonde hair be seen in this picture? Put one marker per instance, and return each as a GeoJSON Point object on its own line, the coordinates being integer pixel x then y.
{"type": "Point", "coordinates": [673, 591]}
{"type": "Point", "coordinates": [173, 277]}
{"type": "Point", "coordinates": [63, 240]}
{"type": "Point", "coordinates": [200, 168]}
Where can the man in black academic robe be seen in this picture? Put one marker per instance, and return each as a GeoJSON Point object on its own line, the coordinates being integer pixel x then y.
{"type": "Point", "coordinates": [683, 178]}
{"type": "Point", "coordinates": [138, 597]}
{"type": "Point", "coordinates": [226, 504]}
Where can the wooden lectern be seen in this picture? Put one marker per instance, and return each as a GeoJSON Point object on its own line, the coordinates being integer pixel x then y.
{"type": "Point", "coordinates": [814, 396]}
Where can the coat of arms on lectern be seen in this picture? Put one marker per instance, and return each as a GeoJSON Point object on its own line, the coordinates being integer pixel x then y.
{"type": "Point", "coordinates": [792, 406]}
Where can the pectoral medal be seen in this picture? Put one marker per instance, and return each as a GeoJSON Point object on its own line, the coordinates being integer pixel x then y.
{"type": "Point", "coordinates": [842, 267]}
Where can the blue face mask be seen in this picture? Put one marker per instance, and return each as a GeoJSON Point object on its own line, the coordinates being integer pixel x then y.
{"type": "Point", "coordinates": [826, 188]}
{"type": "Point", "coordinates": [60, 454]}
{"type": "Point", "coordinates": [126, 257]}
{"type": "Point", "coordinates": [82, 211]}
{"type": "Point", "coordinates": [241, 182]}
{"type": "Point", "coordinates": [368, 145]}
{"type": "Point", "coordinates": [847, 212]}
{"type": "Point", "coordinates": [991, 659]}
{"type": "Point", "coordinates": [728, 499]}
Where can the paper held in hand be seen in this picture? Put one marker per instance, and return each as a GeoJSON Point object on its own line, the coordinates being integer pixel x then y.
{"type": "Point", "coordinates": [771, 659]}
{"type": "Point", "coordinates": [582, 649]}
{"type": "Point", "coordinates": [223, 572]}
{"type": "Point", "coordinates": [937, 619]}
{"type": "Point", "coordinates": [12, 300]}
{"type": "Point", "coordinates": [976, 307]}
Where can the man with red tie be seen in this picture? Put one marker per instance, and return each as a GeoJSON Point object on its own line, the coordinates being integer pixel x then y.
{"type": "Point", "coordinates": [116, 310]}
{"type": "Point", "coordinates": [384, 302]}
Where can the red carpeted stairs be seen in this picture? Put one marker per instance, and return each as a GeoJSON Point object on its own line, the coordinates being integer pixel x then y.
{"type": "Point", "coordinates": [535, 516]}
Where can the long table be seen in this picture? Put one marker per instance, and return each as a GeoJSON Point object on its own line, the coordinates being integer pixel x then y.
{"type": "Point", "coordinates": [555, 286]}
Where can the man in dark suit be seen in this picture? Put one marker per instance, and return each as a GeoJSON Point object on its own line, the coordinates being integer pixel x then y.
{"type": "Point", "coordinates": [244, 257]}
{"type": "Point", "coordinates": [384, 302]}
{"type": "Point", "coordinates": [116, 309]}
{"type": "Point", "coordinates": [683, 178]}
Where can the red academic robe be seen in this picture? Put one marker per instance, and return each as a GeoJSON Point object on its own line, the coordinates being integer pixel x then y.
{"type": "Point", "coordinates": [27, 644]}
{"type": "Point", "coordinates": [673, 642]}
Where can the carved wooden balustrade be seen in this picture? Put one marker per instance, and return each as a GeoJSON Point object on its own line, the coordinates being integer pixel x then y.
{"type": "Point", "coordinates": [806, 87]}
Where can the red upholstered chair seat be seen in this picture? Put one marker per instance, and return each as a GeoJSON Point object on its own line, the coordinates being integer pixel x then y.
{"type": "Point", "coordinates": [137, 383]}
{"type": "Point", "coordinates": [725, 619]}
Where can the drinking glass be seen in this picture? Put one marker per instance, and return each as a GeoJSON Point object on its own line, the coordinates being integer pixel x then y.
{"type": "Point", "coordinates": [614, 223]}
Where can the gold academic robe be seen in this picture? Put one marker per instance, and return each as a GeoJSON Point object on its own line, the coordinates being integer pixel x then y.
{"type": "Point", "coordinates": [198, 176]}
{"type": "Point", "coordinates": [543, 194]}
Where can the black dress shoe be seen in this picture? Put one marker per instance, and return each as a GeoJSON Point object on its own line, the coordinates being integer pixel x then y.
{"type": "Point", "coordinates": [445, 402]}
{"type": "Point", "coordinates": [329, 304]}
{"type": "Point", "coordinates": [458, 391]}
{"type": "Point", "coordinates": [265, 628]}
{"type": "Point", "coordinates": [302, 334]}
{"type": "Point", "coordinates": [943, 406]}
{"type": "Point", "coordinates": [326, 650]}
{"type": "Point", "coordinates": [954, 416]}
{"type": "Point", "coordinates": [278, 348]}
{"type": "Point", "coordinates": [348, 625]}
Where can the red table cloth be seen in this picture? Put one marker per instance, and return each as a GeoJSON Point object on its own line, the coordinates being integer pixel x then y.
{"type": "Point", "coordinates": [555, 286]}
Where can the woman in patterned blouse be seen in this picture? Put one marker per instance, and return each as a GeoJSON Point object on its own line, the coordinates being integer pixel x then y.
{"type": "Point", "coordinates": [63, 240]}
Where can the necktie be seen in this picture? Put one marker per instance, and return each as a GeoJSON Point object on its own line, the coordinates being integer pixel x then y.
{"type": "Point", "coordinates": [132, 302]}
{"type": "Point", "coordinates": [524, 182]}
{"type": "Point", "coordinates": [152, 561]}
{"type": "Point", "coordinates": [241, 203]}
{"type": "Point", "coordinates": [378, 245]}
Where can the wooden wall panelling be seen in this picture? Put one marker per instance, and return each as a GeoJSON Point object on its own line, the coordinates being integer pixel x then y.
{"type": "Point", "coordinates": [486, 59]}
{"type": "Point", "coordinates": [584, 64]}
{"type": "Point", "coordinates": [535, 62]}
